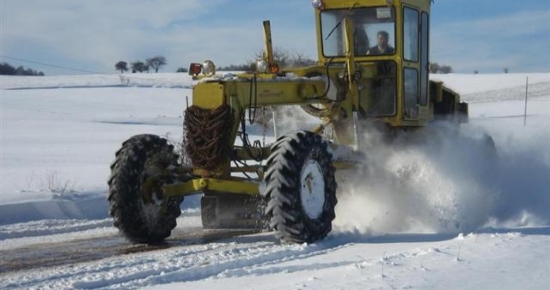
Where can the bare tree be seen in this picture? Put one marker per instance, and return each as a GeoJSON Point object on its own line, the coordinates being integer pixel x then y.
{"type": "Point", "coordinates": [121, 66]}
{"type": "Point", "coordinates": [437, 68]}
{"type": "Point", "coordinates": [445, 69]}
{"type": "Point", "coordinates": [434, 67]}
{"type": "Point", "coordinates": [138, 66]}
{"type": "Point", "coordinates": [156, 62]}
{"type": "Point", "coordinates": [280, 57]}
{"type": "Point", "coordinates": [300, 60]}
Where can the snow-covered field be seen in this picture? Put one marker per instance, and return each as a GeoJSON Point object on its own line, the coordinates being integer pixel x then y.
{"type": "Point", "coordinates": [456, 221]}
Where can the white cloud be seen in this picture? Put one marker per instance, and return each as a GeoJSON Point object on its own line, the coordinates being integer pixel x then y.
{"type": "Point", "coordinates": [95, 31]}
{"type": "Point", "coordinates": [490, 44]}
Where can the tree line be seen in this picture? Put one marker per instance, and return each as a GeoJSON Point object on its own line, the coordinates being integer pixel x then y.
{"type": "Point", "coordinates": [154, 63]}
{"type": "Point", "coordinates": [7, 69]}
{"type": "Point", "coordinates": [436, 68]}
{"type": "Point", "coordinates": [281, 57]}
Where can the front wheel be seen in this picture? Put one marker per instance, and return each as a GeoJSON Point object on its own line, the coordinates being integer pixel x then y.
{"type": "Point", "coordinates": [300, 188]}
{"type": "Point", "coordinates": [142, 166]}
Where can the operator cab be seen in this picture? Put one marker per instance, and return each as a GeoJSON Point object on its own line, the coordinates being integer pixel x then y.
{"type": "Point", "coordinates": [390, 49]}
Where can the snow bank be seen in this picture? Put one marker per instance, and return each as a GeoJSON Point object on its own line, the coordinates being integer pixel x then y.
{"type": "Point", "coordinates": [91, 206]}
{"type": "Point", "coordinates": [467, 84]}
{"type": "Point", "coordinates": [165, 80]}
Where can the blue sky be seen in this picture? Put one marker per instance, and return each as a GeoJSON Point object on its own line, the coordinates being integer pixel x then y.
{"type": "Point", "coordinates": [92, 35]}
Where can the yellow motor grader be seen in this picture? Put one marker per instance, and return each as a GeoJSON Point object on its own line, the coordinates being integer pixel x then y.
{"type": "Point", "coordinates": [372, 68]}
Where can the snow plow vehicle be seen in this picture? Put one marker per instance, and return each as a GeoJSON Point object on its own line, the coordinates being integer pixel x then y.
{"type": "Point", "coordinates": [372, 69]}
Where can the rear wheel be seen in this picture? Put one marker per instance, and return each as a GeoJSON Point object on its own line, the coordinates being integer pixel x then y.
{"type": "Point", "coordinates": [300, 188]}
{"type": "Point", "coordinates": [142, 166]}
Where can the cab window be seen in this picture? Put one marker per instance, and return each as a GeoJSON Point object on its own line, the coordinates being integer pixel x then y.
{"type": "Point", "coordinates": [374, 31]}
{"type": "Point", "coordinates": [410, 35]}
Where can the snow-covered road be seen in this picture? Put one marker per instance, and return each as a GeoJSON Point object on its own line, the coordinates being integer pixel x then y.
{"type": "Point", "coordinates": [98, 258]}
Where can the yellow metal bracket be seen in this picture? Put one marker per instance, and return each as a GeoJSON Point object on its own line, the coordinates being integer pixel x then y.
{"type": "Point", "coordinates": [195, 186]}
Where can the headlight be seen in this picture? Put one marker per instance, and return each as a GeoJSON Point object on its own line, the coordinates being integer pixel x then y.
{"type": "Point", "coordinates": [317, 4]}
{"type": "Point", "coordinates": [208, 68]}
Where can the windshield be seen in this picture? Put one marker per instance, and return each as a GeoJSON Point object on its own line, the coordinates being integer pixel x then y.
{"type": "Point", "coordinates": [374, 31]}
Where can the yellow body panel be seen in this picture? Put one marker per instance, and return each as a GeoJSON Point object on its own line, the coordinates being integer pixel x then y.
{"type": "Point", "coordinates": [209, 95]}
{"type": "Point", "coordinates": [261, 92]}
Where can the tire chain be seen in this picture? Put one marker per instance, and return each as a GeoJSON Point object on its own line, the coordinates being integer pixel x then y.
{"type": "Point", "coordinates": [207, 135]}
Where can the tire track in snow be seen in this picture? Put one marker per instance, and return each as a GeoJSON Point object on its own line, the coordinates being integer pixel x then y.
{"type": "Point", "coordinates": [40, 255]}
{"type": "Point", "coordinates": [234, 257]}
{"type": "Point", "coordinates": [241, 257]}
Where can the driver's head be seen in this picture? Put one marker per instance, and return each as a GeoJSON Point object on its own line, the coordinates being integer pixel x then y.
{"type": "Point", "coordinates": [383, 38]}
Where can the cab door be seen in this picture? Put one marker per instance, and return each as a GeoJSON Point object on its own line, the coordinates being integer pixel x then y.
{"type": "Point", "coordinates": [412, 72]}
{"type": "Point", "coordinates": [424, 111]}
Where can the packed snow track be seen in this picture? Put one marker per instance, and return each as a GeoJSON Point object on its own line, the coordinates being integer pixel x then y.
{"type": "Point", "coordinates": [51, 254]}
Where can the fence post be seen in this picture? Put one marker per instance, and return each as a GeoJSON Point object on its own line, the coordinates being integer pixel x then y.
{"type": "Point", "coordinates": [526, 93]}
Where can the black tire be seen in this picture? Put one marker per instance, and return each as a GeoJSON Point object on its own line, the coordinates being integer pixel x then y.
{"type": "Point", "coordinates": [296, 211]}
{"type": "Point", "coordinates": [140, 219]}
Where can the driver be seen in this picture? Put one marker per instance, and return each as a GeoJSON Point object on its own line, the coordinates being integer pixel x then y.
{"type": "Point", "coordinates": [383, 47]}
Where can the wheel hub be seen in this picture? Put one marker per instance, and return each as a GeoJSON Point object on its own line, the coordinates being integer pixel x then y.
{"type": "Point", "coordinates": [150, 187]}
{"type": "Point", "coordinates": [312, 189]}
